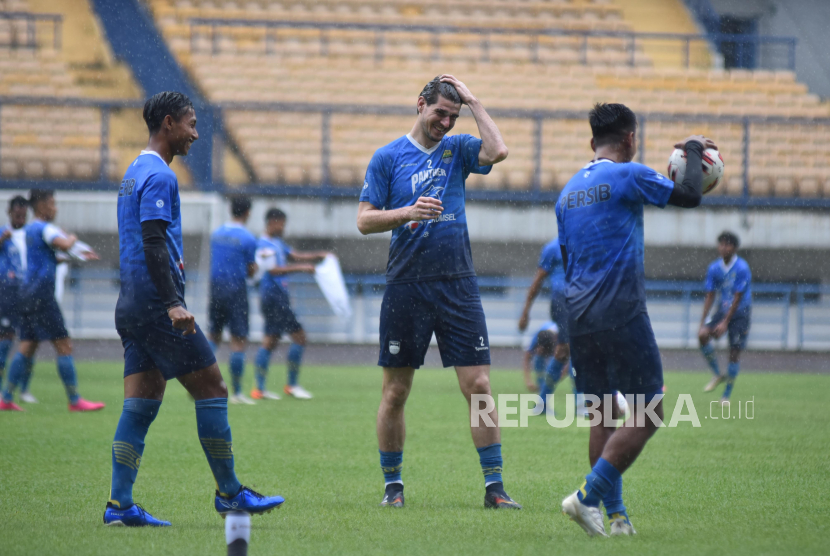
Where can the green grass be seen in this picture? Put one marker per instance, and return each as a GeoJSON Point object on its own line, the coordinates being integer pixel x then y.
{"type": "Point", "coordinates": [756, 486]}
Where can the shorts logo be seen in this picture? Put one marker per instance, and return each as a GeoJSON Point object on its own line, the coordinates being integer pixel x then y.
{"type": "Point", "coordinates": [482, 347]}
{"type": "Point", "coordinates": [159, 203]}
{"type": "Point", "coordinates": [446, 158]}
{"type": "Point", "coordinates": [394, 347]}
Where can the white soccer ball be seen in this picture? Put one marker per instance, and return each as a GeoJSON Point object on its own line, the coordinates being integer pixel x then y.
{"type": "Point", "coordinates": [712, 168]}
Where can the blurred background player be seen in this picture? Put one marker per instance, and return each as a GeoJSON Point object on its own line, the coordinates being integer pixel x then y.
{"type": "Point", "coordinates": [730, 278]}
{"type": "Point", "coordinates": [160, 336]}
{"type": "Point", "coordinates": [41, 318]}
{"type": "Point", "coordinates": [550, 266]}
{"type": "Point", "coordinates": [539, 349]}
{"type": "Point", "coordinates": [278, 260]}
{"type": "Point", "coordinates": [600, 219]}
{"type": "Point", "coordinates": [12, 250]}
{"type": "Point", "coordinates": [415, 187]}
{"type": "Point", "coordinates": [232, 261]}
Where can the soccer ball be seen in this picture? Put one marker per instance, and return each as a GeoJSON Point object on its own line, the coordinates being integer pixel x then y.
{"type": "Point", "coordinates": [712, 168]}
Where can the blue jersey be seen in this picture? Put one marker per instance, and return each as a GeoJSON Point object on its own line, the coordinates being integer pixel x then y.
{"type": "Point", "coordinates": [232, 249]}
{"type": "Point", "coordinates": [404, 170]}
{"type": "Point", "coordinates": [550, 260]}
{"type": "Point", "coordinates": [534, 341]}
{"type": "Point", "coordinates": [274, 252]}
{"type": "Point", "coordinates": [728, 280]}
{"type": "Point", "coordinates": [149, 191]}
{"type": "Point", "coordinates": [600, 217]}
{"type": "Point", "coordinates": [11, 265]}
{"type": "Point", "coordinates": [41, 264]}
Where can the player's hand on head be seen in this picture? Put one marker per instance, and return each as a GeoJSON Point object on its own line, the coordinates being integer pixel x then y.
{"type": "Point", "coordinates": [182, 319]}
{"type": "Point", "coordinates": [425, 208]}
{"type": "Point", "coordinates": [707, 143]}
{"type": "Point", "coordinates": [462, 90]}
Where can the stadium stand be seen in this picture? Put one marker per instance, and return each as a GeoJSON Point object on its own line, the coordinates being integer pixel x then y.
{"type": "Point", "coordinates": [263, 62]}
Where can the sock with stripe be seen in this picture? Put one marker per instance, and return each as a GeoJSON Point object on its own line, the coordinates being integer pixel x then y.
{"type": "Point", "coordinates": [66, 370]}
{"type": "Point", "coordinates": [598, 483]}
{"type": "Point", "coordinates": [732, 373]}
{"type": "Point", "coordinates": [391, 464]}
{"type": "Point", "coordinates": [263, 359]}
{"type": "Point", "coordinates": [708, 352]}
{"type": "Point", "coordinates": [295, 357]}
{"type": "Point", "coordinates": [128, 447]}
{"type": "Point", "coordinates": [613, 501]}
{"type": "Point", "coordinates": [491, 463]}
{"type": "Point", "coordinates": [237, 365]}
{"type": "Point", "coordinates": [215, 437]}
{"type": "Point", "coordinates": [17, 370]}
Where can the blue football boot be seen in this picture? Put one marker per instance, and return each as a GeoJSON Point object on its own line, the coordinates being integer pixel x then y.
{"type": "Point", "coordinates": [248, 501]}
{"type": "Point", "coordinates": [134, 516]}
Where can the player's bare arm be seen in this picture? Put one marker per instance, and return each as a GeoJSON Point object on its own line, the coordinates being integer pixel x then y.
{"type": "Point", "coordinates": [532, 292]}
{"type": "Point", "coordinates": [292, 269]}
{"type": "Point", "coordinates": [372, 220]}
{"type": "Point", "coordinates": [308, 256]}
{"type": "Point", "coordinates": [252, 269]}
{"type": "Point", "coordinates": [64, 243]}
{"type": "Point", "coordinates": [493, 149]}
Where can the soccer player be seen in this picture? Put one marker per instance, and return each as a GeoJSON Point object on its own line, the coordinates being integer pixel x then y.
{"type": "Point", "coordinates": [600, 219]}
{"type": "Point", "coordinates": [538, 351]}
{"type": "Point", "coordinates": [12, 249]}
{"type": "Point", "coordinates": [232, 260]}
{"type": "Point", "coordinates": [550, 266]}
{"type": "Point", "coordinates": [415, 187]}
{"type": "Point", "coordinates": [731, 278]}
{"type": "Point", "coordinates": [279, 260]}
{"type": "Point", "coordinates": [160, 336]}
{"type": "Point", "coordinates": [41, 318]}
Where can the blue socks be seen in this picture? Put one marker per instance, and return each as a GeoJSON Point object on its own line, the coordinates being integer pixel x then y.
{"type": "Point", "coordinates": [128, 447]}
{"type": "Point", "coordinates": [391, 464]}
{"type": "Point", "coordinates": [27, 376]}
{"type": "Point", "coordinates": [599, 483]}
{"type": "Point", "coordinates": [613, 501]}
{"type": "Point", "coordinates": [5, 346]}
{"type": "Point", "coordinates": [732, 374]}
{"type": "Point", "coordinates": [17, 371]}
{"type": "Point", "coordinates": [295, 357]}
{"type": "Point", "coordinates": [708, 352]}
{"type": "Point", "coordinates": [66, 370]}
{"type": "Point", "coordinates": [237, 364]}
{"type": "Point", "coordinates": [263, 359]}
{"type": "Point", "coordinates": [215, 436]}
{"type": "Point", "coordinates": [552, 374]}
{"type": "Point", "coordinates": [491, 463]}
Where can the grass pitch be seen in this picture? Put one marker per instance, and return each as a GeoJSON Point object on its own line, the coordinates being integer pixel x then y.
{"type": "Point", "coordinates": [738, 486]}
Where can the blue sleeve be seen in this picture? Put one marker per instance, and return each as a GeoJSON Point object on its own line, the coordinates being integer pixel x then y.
{"type": "Point", "coordinates": [559, 224]}
{"type": "Point", "coordinates": [548, 256]}
{"type": "Point", "coordinates": [250, 250]}
{"type": "Point", "coordinates": [377, 184]}
{"type": "Point", "coordinates": [654, 188]}
{"type": "Point", "coordinates": [470, 147]}
{"type": "Point", "coordinates": [742, 279]}
{"type": "Point", "coordinates": [156, 201]}
{"type": "Point", "coordinates": [534, 342]}
{"type": "Point", "coordinates": [710, 279]}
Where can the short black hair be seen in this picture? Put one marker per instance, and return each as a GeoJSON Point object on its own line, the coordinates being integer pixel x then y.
{"type": "Point", "coordinates": [610, 123]}
{"type": "Point", "coordinates": [38, 195]}
{"type": "Point", "coordinates": [730, 238]}
{"type": "Point", "coordinates": [546, 339]}
{"type": "Point", "coordinates": [240, 204]}
{"type": "Point", "coordinates": [435, 87]}
{"type": "Point", "coordinates": [161, 104]}
{"type": "Point", "coordinates": [274, 214]}
{"type": "Point", "coordinates": [18, 201]}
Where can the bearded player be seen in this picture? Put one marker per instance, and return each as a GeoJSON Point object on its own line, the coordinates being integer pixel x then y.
{"type": "Point", "coordinates": [415, 188]}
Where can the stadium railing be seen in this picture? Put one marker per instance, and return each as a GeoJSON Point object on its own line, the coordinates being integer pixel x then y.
{"type": "Point", "coordinates": [785, 316]}
{"type": "Point", "coordinates": [780, 53]}
{"type": "Point", "coordinates": [31, 22]}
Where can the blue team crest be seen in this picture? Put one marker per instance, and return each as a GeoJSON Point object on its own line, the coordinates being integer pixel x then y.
{"type": "Point", "coordinates": [433, 191]}
{"type": "Point", "coordinates": [446, 158]}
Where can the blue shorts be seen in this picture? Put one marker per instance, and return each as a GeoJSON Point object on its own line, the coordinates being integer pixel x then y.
{"type": "Point", "coordinates": [625, 358]}
{"type": "Point", "coordinates": [9, 314]}
{"type": "Point", "coordinates": [451, 309]}
{"type": "Point", "coordinates": [44, 322]}
{"type": "Point", "coordinates": [737, 329]}
{"type": "Point", "coordinates": [157, 345]}
{"type": "Point", "coordinates": [559, 315]}
{"type": "Point", "coordinates": [229, 310]}
{"type": "Point", "coordinates": [278, 315]}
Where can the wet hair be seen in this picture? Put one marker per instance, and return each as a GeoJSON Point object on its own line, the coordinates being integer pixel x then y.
{"type": "Point", "coordinates": [274, 214]}
{"type": "Point", "coordinates": [18, 201]}
{"type": "Point", "coordinates": [435, 87]}
{"type": "Point", "coordinates": [38, 195]}
{"type": "Point", "coordinates": [160, 105]}
{"type": "Point", "coordinates": [611, 123]}
{"type": "Point", "coordinates": [240, 204]}
{"type": "Point", "coordinates": [730, 238]}
{"type": "Point", "coordinates": [546, 340]}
